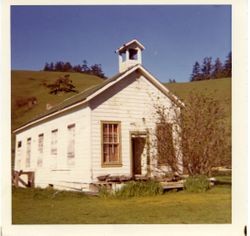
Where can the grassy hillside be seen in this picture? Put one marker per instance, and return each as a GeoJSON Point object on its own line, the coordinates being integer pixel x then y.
{"type": "Point", "coordinates": [26, 84]}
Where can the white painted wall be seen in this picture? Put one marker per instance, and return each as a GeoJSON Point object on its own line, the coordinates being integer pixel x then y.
{"type": "Point", "coordinates": [129, 101]}
{"type": "Point", "coordinates": [59, 172]}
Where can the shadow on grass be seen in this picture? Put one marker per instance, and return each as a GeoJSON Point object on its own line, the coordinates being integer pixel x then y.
{"type": "Point", "coordinates": [218, 182]}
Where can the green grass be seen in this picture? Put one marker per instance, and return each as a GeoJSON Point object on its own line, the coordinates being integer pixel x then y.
{"type": "Point", "coordinates": [34, 206]}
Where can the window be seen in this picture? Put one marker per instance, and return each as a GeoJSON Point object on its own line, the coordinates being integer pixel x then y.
{"type": "Point", "coordinates": [28, 152]}
{"type": "Point", "coordinates": [19, 155]}
{"type": "Point", "coordinates": [165, 146]}
{"type": "Point", "coordinates": [111, 143]}
{"type": "Point", "coordinates": [53, 150]}
{"type": "Point", "coordinates": [40, 149]}
{"type": "Point", "coordinates": [54, 142]}
{"type": "Point", "coordinates": [71, 144]}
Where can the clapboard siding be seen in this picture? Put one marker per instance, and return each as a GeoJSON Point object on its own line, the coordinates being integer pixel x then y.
{"type": "Point", "coordinates": [54, 172]}
{"type": "Point", "coordinates": [128, 101]}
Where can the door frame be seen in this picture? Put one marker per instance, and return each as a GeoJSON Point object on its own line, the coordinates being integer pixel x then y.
{"type": "Point", "coordinates": [135, 134]}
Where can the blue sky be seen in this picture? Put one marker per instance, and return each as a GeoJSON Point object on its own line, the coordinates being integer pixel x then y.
{"type": "Point", "coordinates": [174, 36]}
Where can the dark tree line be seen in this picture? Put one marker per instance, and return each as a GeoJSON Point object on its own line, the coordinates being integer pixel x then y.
{"type": "Point", "coordinates": [208, 70]}
{"type": "Point", "coordinates": [171, 81]}
{"type": "Point", "coordinates": [61, 66]}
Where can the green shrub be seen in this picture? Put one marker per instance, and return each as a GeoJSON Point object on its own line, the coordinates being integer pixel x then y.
{"type": "Point", "coordinates": [197, 184]}
{"type": "Point", "coordinates": [137, 189]}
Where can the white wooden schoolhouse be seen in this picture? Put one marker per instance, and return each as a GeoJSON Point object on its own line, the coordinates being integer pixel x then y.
{"type": "Point", "coordinates": [104, 130]}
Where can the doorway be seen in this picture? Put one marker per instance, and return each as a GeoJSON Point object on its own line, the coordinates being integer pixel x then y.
{"type": "Point", "coordinates": [138, 144]}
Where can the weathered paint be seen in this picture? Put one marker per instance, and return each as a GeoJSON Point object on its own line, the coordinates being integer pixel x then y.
{"type": "Point", "coordinates": [130, 102]}
{"type": "Point", "coordinates": [61, 171]}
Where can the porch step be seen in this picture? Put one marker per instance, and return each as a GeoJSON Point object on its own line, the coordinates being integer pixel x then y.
{"type": "Point", "coordinates": [172, 185]}
{"type": "Point", "coordinates": [71, 186]}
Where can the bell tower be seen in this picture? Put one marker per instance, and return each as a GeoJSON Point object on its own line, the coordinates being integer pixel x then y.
{"type": "Point", "coordinates": [130, 54]}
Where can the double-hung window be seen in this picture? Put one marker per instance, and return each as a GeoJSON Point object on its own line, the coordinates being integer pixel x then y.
{"type": "Point", "coordinates": [28, 152]}
{"type": "Point", "coordinates": [54, 134]}
{"type": "Point", "coordinates": [71, 145]}
{"type": "Point", "coordinates": [111, 144]}
{"type": "Point", "coordinates": [40, 150]}
{"type": "Point", "coordinates": [54, 148]}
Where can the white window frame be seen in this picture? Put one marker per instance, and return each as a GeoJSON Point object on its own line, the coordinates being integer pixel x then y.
{"type": "Point", "coordinates": [28, 153]}
{"type": "Point", "coordinates": [40, 150]}
{"type": "Point", "coordinates": [71, 145]}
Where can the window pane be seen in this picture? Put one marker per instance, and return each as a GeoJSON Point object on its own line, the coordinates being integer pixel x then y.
{"type": "Point", "coordinates": [110, 143]}
{"type": "Point", "coordinates": [54, 142]}
{"type": "Point", "coordinates": [28, 152]}
{"type": "Point", "coordinates": [40, 150]}
{"type": "Point", "coordinates": [71, 144]}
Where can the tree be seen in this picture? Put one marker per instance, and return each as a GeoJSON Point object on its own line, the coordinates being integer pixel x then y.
{"type": "Point", "coordinates": [62, 84]}
{"type": "Point", "coordinates": [201, 131]}
{"type": "Point", "coordinates": [67, 67]}
{"type": "Point", "coordinates": [171, 81]}
{"type": "Point", "coordinates": [228, 66]}
{"type": "Point", "coordinates": [196, 74]}
{"type": "Point", "coordinates": [217, 69]}
{"type": "Point", "coordinates": [206, 68]}
{"type": "Point", "coordinates": [96, 69]}
{"type": "Point", "coordinates": [46, 67]}
{"type": "Point", "coordinates": [51, 66]}
{"type": "Point", "coordinates": [77, 68]}
{"type": "Point", "coordinates": [59, 66]}
{"type": "Point", "coordinates": [85, 68]}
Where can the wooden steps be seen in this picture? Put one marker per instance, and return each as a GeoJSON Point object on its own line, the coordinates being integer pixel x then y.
{"type": "Point", "coordinates": [172, 185]}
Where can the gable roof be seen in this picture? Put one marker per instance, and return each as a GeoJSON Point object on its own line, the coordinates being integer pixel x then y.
{"type": "Point", "coordinates": [126, 45]}
{"type": "Point", "coordinates": [90, 93]}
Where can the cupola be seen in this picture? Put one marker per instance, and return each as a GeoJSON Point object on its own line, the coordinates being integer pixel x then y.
{"type": "Point", "coordinates": [130, 54]}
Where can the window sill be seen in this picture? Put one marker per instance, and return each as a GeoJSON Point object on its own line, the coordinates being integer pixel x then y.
{"type": "Point", "coordinates": [111, 165]}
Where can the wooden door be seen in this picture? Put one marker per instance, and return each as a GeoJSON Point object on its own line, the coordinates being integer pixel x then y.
{"type": "Point", "coordinates": [138, 144]}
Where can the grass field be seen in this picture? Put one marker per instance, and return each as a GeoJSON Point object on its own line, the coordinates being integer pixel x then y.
{"type": "Point", "coordinates": [36, 206]}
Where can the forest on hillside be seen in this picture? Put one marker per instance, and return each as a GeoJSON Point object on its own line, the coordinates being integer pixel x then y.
{"type": "Point", "coordinates": [60, 66]}
{"type": "Point", "coordinates": [207, 70]}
